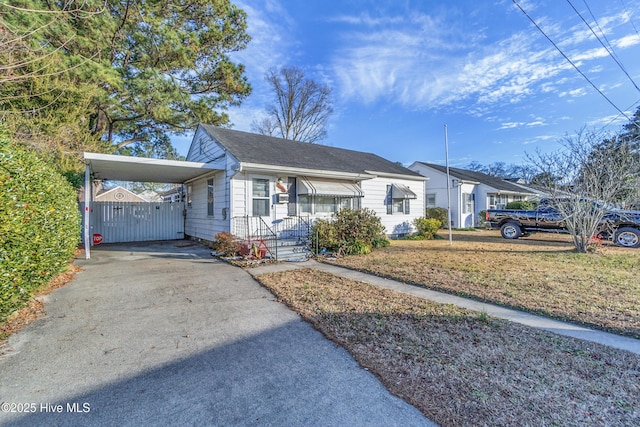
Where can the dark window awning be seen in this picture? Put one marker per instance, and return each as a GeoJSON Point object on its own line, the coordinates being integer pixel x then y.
{"type": "Point", "coordinates": [316, 187]}
{"type": "Point", "coordinates": [399, 191]}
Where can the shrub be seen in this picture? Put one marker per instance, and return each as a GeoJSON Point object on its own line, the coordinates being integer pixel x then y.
{"type": "Point", "coordinates": [39, 225]}
{"type": "Point", "coordinates": [521, 205]}
{"type": "Point", "coordinates": [441, 214]}
{"type": "Point", "coordinates": [225, 244]}
{"type": "Point", "coordinates": [482, 218]}
{"type": "Point", "coordinates": [427, 227]}
{"type": "Point", "coordinates": [350, 232]}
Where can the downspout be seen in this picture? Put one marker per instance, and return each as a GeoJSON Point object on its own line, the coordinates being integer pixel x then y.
{"type": "Point", "coordinates": [87, 210]}
{"type": "Point", "coordinates": [227, 192]}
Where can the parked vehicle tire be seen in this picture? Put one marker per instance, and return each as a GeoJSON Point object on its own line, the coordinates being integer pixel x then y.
{"type": "Point", "coordinates": [627, 237]}
{"type": "Point", "coordinates": [510, 230]}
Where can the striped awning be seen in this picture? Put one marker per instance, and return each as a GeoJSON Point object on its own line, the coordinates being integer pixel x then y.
{"type": "Point", "coordinates": [316, 187]}
{"type": "Point", "coordinates": [399, 191]}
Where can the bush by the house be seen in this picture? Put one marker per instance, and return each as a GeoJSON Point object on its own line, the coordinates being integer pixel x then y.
{"type": "Point", "coordinates": [350, 232]}
{"type": "Point", "coordinates": [482, 218]}
{"type": "Point", "coordinates": [441, 214]}
{"type": "Point", "coordinates": [225, 244]}
{"type": "Point", "coordinates": [39, 225]}
{"type": "Point", "coordinates": [426, 228]}
{"type": "Point", "coordinates": [521, 205]}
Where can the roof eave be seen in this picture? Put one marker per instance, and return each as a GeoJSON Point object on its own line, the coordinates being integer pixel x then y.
{"type": "Point", "coordinates": [397, 175]}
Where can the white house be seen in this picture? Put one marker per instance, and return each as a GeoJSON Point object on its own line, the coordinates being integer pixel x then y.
{"type": "Point", "coordinates": [261, 189]}
{"type": "Point", "coordinates": [262, 181]}
{"type": "Point", "coordinates": [471, 192]}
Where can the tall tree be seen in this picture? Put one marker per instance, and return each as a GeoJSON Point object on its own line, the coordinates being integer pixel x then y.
{"type": "Point", "coordinates": [301, 110]}
{"type": "Point", "coordinates": [503, 170]}
{"type": "Point", "coordinates": [146, 68]}
{"type": "Point", "coordinates": [631, 131]}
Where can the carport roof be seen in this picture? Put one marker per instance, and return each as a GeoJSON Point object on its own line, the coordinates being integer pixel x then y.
{"type": "Point", "coordinates": [127, 168]}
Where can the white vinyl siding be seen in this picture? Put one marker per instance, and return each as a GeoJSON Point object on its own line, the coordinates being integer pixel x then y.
{"type": "Point", "coordinates": [375, 198]}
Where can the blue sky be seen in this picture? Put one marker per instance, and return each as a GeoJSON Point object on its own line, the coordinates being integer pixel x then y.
{"type": "Point", "coordinates": [401, 70]}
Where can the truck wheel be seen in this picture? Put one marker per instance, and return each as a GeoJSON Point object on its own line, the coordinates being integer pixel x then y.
{"type": "Point", "coordinates": [627, 237]}
{"type": "Point", "coordinates": [510, 230]}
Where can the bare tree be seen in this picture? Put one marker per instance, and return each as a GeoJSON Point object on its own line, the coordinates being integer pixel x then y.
{"type": "Point", "coordinates": [588, 177]}
{"type": "Point", "coordinates": [301, 110]}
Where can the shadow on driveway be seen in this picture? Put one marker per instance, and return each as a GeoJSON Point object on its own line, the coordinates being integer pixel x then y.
{"type": "Point", "coordinates": [166, 335]}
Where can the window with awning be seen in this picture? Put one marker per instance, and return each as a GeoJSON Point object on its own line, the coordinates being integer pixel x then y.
{"type": "Point", "coordinates": [399, 191]}
{"type": "Point", "coordinates": [317, 196]}
{"type": "Point", "coordinates": [398, 199]}
{"type": "Point", "coordinates": [316, 187]}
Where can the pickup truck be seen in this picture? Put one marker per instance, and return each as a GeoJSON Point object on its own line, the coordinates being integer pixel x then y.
{"type": "Point", "coordinates": [623, 227]}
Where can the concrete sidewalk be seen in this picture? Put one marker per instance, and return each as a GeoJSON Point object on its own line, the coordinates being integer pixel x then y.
{"type": "Point", "coordinates": [163, 334]}
{"type": "Point", "coordinates": [538, 322]}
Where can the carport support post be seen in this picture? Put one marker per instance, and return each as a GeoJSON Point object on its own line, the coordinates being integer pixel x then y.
{"type": "Point", "coordinates": [87, 207]}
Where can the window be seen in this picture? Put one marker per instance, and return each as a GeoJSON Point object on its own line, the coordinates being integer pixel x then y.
{"type": "Point", "coordinates": [324, 204]}
{"type": "Point", "coordinates": [467, 203]}
{"type": "Point", "coordinates": [497, 201]}
{"type": "Point", "coordinates": [431, 200]}
{"type": "Point", "coordinates": [210, 197]}
{"type": "Point", "coordinates": [397, 205]}
{"type": "Point", "coordinates": [305, 204]}
{"type": "Point", "coordinates": [261, 197]}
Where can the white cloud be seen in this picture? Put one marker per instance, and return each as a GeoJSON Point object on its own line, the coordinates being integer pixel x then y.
{"type": "Point", "coordinates": [270, 45]}
{"type": "Point", "coordinates": [573, 93]}
{"type": "Point", "coordinates": [627, 41]}
{"type": "Point", "coordinates": [511, 125]}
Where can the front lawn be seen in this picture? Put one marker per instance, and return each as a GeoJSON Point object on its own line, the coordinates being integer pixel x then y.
{"type": "Point", "coordinates": [540, 274]}
{"type": "Point", "coordinates": [460, 367]}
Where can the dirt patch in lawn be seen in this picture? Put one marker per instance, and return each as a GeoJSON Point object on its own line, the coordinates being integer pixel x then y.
{"type": "Point", "coordinates": [540, 274]}
{"type": "Point", "coordinates": [464, 368]}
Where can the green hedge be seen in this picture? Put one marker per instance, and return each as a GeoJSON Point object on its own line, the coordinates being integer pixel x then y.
{"type": "Point", "coordinates": [39, 225]}
{"type": "Point", "coordinates": [350, 232]}
{"type": "Point", "coordinates": [441, 214]}
{"type": "Point", "coordinates": [521, 205]}
{"type": "Point", "coordinates": [427, 228]}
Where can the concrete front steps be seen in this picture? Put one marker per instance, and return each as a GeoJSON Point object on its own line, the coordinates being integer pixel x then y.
{"type": "Point", "coordinates": [290, 250]}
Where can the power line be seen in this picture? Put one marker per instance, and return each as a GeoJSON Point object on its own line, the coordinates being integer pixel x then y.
{"type": "Point", "coordinates": [626, 9]}
{"type": "Point", "coordinates": [570, 61]}
{"type": "Point", "coordinates": [608, 49]}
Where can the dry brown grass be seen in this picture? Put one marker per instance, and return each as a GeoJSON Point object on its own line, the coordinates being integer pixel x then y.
{"type": "Point", "coordinates": [541, 274]}
{"type": "Point", "coordinates": [463, 368]}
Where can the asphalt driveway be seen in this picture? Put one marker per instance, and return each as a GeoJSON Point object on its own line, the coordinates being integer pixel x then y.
{"type": "Point", "coordinates": [163, 334]}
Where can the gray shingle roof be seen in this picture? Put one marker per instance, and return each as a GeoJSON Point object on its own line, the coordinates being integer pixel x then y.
{"type": "Point", "coordinates": [467, 175]}
{"type": "Point", "coordinates": [255, 148]}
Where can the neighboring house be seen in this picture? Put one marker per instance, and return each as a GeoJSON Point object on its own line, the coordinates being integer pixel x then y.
{"type": "Point", "coordinates": [118, 194]}
{"type": "Point", "coordinates": [264, 181]}
{"type": "Point", "coordinates": [174, 195]}
{"type": "Point", "coordinates": [151, 196]}
{"type": "Point", "coordinates": [471, 192]}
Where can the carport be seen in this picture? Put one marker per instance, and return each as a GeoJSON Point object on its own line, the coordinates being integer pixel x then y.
{"type": "Point", "coordinates": [136, 169]}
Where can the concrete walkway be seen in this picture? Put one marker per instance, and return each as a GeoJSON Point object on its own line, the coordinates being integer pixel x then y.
{"type": "Point", "coordinates": [163, 334]}
{"type": "Point", "coordinates": [538, 322]}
